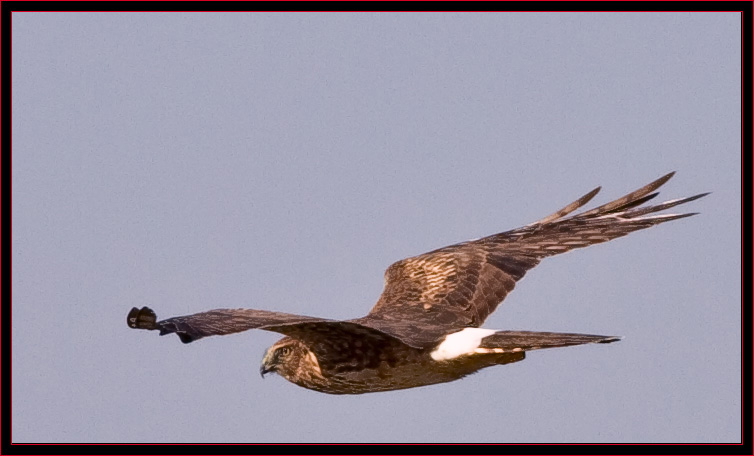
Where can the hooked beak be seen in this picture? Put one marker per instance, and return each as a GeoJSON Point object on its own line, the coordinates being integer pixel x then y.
{"type": "Point", "coordinates": [268, 364]}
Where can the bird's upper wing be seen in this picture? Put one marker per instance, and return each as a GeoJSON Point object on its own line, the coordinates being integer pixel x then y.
{"type": "Point", "coordinates": [440, 292]}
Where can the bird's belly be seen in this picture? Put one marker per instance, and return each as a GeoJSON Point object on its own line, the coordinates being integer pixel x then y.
{"type": "Point", "coordinates": [387, 378]}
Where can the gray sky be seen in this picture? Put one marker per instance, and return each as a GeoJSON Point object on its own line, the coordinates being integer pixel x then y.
{"type": "Point", "coordinates": [282, 161]}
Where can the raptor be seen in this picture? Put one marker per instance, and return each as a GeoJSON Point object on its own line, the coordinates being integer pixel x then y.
{"type": "Point", "coordinates": [425, 327]}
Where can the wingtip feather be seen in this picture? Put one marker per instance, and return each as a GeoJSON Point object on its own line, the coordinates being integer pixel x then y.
{"type": "Point", "coordinates": [143, 318]}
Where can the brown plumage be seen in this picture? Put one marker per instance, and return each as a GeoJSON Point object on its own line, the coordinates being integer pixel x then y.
{"type": "Point", "coordinates": [423, 329]}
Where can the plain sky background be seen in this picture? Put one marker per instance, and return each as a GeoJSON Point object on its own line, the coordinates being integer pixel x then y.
{"type": "Point", "coordinates": [191, 161]}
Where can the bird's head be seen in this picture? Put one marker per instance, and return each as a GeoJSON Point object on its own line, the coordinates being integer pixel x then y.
{"type": "Point", "coordinates": [289, 358]}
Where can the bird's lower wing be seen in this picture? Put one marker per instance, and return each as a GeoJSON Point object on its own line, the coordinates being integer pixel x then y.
{"type": "Point", "coordinates": [333, 341]}
{"type": "Point", "coordinates": [218, 322]}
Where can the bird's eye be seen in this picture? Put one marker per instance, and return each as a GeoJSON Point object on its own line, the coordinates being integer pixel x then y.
{"type": "Point", "coordinates": [285, 350]}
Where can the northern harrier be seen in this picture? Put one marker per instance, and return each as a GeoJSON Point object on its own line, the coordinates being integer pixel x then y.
{"type": "Point", "coordinates": [424, 329]}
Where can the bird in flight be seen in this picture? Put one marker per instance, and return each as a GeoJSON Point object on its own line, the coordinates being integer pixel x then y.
{"type": "Point", "coordinates": [424, 328]}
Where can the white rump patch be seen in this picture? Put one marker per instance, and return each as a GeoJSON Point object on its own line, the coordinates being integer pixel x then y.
{"type": "Point", "coordinates": [460, 343]}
